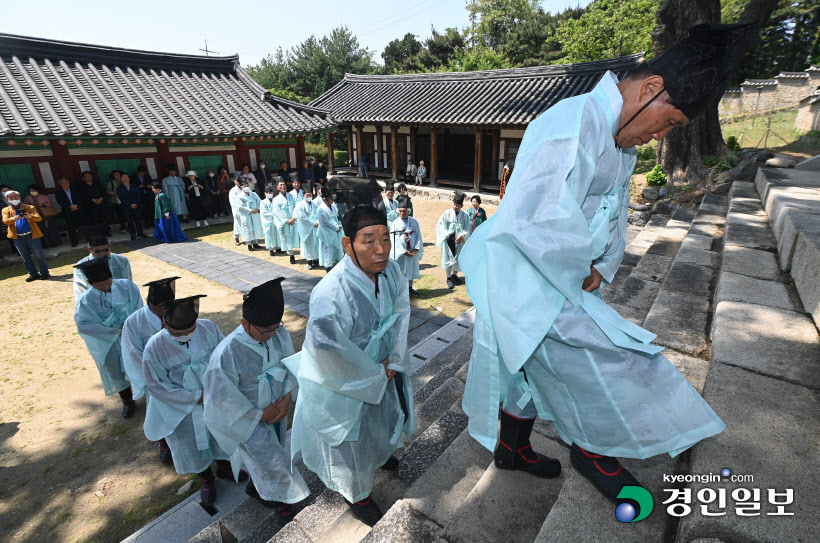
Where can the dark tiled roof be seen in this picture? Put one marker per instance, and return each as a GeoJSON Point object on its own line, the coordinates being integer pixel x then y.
{"type": "Point", "coordinates": [792, 75]}
{"type": "Point", "coordinates": [491, 98]}
{"type": "Point", "coordinates": [52, 88]}
{"type": "Point", "coordinates": [761, 82]}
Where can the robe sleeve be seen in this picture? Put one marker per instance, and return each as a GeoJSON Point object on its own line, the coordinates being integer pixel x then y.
{"type": "Point", "coordinates": [126, 269]}
{"type": "Point", "coordinates": [90, 324]}
{"type": "Point", "coordinates": [399, 356]}
{"type": "Point", "coordinates": [279, 211]}
{"type": "Point", "coordinates": [160, 386]}
{"type": "Point", "coordinates": [242, 207]}
{"type": "Point", "coordinates": [443, 229]}
{"type": "Point", "coordinates": [325, 220]}
{"type": "Point", "coordinates": [608, 263]}
{"type": "Point", "coordinates": [80, 284]}
{"type": "Point", "coordinates": [132, 351]}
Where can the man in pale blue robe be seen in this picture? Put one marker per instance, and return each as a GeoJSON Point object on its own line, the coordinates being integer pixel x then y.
{"type": "Point", "coordinates": [284, 206]}
{"type": "Point", "coordinates": [247, 395]}
{"type": "Point", "coordinates": [141, 326]}
{"type": "Point", "coordinates": [99, 247]}
{"type": "Point", "coordinates": [174, 187]}
{"type": "Point", "coordinates": [452, 231]}
{"type": "Point", "coordinates": [296, 191]}
{"type": "Point", "coordinates": [545, 343]}
{"type": "Point", "coordinates": [307, 222]}
{"type": "Point", "coordinates": [174, 362]}
{"type": "Point", "coordinates": [247, 206]}
{"type": "Point", "coordinates": [388, 205]}
{"type": "Point", "coordinates": [355, 399]}
{"type": "Point", "coordinates": [330, 231]}
{"type": "Point", "coordinates": [237, 218]}
{"type": "Point", "coordinates": [268, 221]}
{"type": "Point", "coordinates": [100, 314]}
{"type": "Point", "coordinates": [408, 247]}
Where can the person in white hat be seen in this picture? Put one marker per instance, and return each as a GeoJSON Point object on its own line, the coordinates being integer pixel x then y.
{"type": "Point", "coordinates": [196, 199]}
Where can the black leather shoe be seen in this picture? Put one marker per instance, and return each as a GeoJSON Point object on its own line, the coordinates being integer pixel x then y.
{"type": "Point", "coordinates": [514, 450]}
{"type": "Point", "coordinates": [250, 248]}
{"type": "Point", "coordinates": [207, 491]}
{"type": "Point", "coordinates": [366, 511]}
{"type": "Point", "coordinates": [237, 242]}
{"type": "Point", "coordinates": [391, 464]}
{"type": "Point", "coordinates": [224, 471]}
{"type": "Point", "coordinates": [292, 259]}
{"type": "Point", "coordinates": [128, 409]}
{"type": "Point", "coordinates": [284, 511]}
{"type": "Point", "coordinates": [31, 278]}
{"type": "Point", "coordinates": [456, 279]}
{"type": "Point", "coordinates": [605, 472]}
{"type": "Point", "coordinates": [165, 455]}
{"type": "Point", "coordinates": [450, 283]}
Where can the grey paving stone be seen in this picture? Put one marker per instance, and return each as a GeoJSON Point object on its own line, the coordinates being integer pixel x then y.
{"type": "Point", "coordinates": [698, 256]}
{"type": "Point", "coordinates": [665, 246]}
{"type": "Point", "coordinates": [427, 349]}
{"type": "Point", "coordinates": [318, 517]}
{"type": "Point", "coordinates": [461, 374]}
{"type": "Point", "coordinates": [769, 341]}
{"type": "Point", "coordinates": [647, 236]}
{"type": "Point", "coordinates": [766, 178]}
{"type": "Point", "coordinates": [697, 241]}
{"type": "Point", "coordinates": [741, 288]}
{"type": "Point", "coordinates": [637, 293]}
{"type": "Point", "coordinates": [582, 514]}
{"type": "Point", "coordinates": [748, 206]}
{"type": "Point", "coordinates": [440, 320]}
{"type": "Point", "coordinates": [657, 222]}
{"type": "Point", "coordinates": [742, 189]}
{"type": "Point", "coordinates": [414, 337]}
{"type": "Point", "coordinates": [632, 256]}
{"type": "Point", "coordinates": [768, 424]}
{"type": "Point", "coordinates": [439, 401]}
{"type": "Point", "coordinates": [450, 332]}
{"type": "Point", "coordinates": [684, 215]}
{"type": "Point", "coordinates": [748, 231]}
{"type": "Point", "coordinates": [184, 522]}
{"type": "Point", "coordinates": [751, 262]}
{"type": "Point", "coordinates": [428, 446]}
{"type": "Point", "coordinates": [713, 199]}
{"type": "Point", "coordinates": [781, 200]}
{"type": "Point", "coordinates": [694, 369]}
{"type": "Point", "coordinates": [679, 320]}
{"type": "Point", "coordinates": [686, 278]}
{"type": "Point", "coordinates": [210, 534]}
{"type": "Point", "coordinates": [428, 328]}
{"type": "Point", "coordinates": [653, 267]}
{"type": "Point", "coordinates": [790, 227]}
{"type": "Point", "coordinates": [805, 266]}
{"type": "Point", "coordinates": [704, 229]}
{"type": "Point", "coordinates": [291, 533]}
{"type": "Point", "coordinates": [403, 523]}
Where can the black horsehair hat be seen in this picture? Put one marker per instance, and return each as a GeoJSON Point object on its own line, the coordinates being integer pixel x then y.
{"type": "Point", "coordinates": [161, 290]}
{"type": "Point", "coordinates": [95, 234]}
{"type": "Point", "coordinates": [182, 313]}
{"type": "Point", "coordinates": [95, 269]}
{"type": "Point", "coordinates": [264, 305]}
{"type": "Point", "coordinates": [361, 217]}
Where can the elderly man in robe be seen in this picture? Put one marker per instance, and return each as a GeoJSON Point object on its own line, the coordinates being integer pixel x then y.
{"type": "Point", "coordinates": [284, 206]}
{"type": "Point", "coordinates": [173, 363]}
{"type": "Point", "coordinates": [408, 247]}
{"type": "Point", "coordinates": [100, 314]}
{"type": "Point", "coordinates": [545, 344]}
{"type": "Point", "coordinates": [330, 231]}
{"type": "Point", "coordinates": [247, 395]}
{"type": "Point", "coordinates": [307, 222]}
{"type": "Point", "coordinates": [452, 231]}
{"type": "Point", "coordinates": [248, 207]}
{"type": "Point", "coordinates": [99, 247]}
{"type": "Point", "coordinates": [141, 326]}
{"type": "Point", "coordinates": [355, 401]}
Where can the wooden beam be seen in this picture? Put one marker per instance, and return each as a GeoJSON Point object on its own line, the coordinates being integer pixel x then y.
{"type": "Point", "coordinates": [380, 148]}
{"type": "Point", "coordinates": [330, 152]}
{"type": "Point", "coordinates": [301, 156]}
{"type": "Point", "coordinates": [360, 147]}
{"type": "Point", "coordinates": [62, 160]}
{"type": "Point", "coordinates": [413, 145]}
{"type": "Point", "coordinates": [350, 144]}
{"type": "Point", "coordinates": [394, 144]}
{"type": "Point", "coordinates": [433, 158]}
{"type": "Point", "coordinates": [494, 155]}
{"type": "Point", "coordinates": [479, 136]}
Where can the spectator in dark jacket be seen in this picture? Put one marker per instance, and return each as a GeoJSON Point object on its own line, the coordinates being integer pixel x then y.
{"type": "Point", "coordinates": [70, 201]}
{"type": "Point", "coordinates": [143, 180]}
{"type": "Point", "coordinates": [320, 173]}
{"type": "Point", "coordinates": [130, 198]}
{"type": "Point", "coordinates": [283, 172]}
{"type": "Point", "coordinates": [214, 190]}
{"type": "Point", "coordinates": [306, 173]}
{"type": "Point", "coordinates": [94, 202]}
{"type": "Point", "coordinates": [263, 178]}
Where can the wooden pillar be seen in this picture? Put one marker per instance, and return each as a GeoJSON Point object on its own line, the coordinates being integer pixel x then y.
{"type": "Point", "coordinates": [300, 150]}
{"type": "Point", "coordinates": [394, 140]}
{"type": "Point", "coordinates": [165, 158]}
{"type": "Point", "coordinates": [350, 145]}
{"type": "Point", "coordinates": [242, 154]}
{"type": "Point", "coordinates": [380, 147]}
{"type": "Point", "coordinates": [479, 136]}
{"type": "Point", "coordinates": [494, 155]}
{"type": "Point", "coordinates": [413, 146]}
{"type": "Point", "coordinates": [62, 160]}
{"type": "Point", "coordinates": [329, 152]}
{"type": "Point", "coordinates": [359, 144]}
{"type": "Point", "coordinates": [433, 157]}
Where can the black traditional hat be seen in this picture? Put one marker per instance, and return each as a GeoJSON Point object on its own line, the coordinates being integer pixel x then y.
{"type": "Point", "coordinates": [458, 198]}
{"type": "Point", "coordinates": [696, 70]}
{"type": "Point", "coordinates": [182, 313]}
{"type": "Point", "coordinates": [95, 234]}
{"type": "Point", "coordinates": [402, 202]}
{"type": "Point", "coordinates": [95, 269]}
{"type": "Point", "coordinates": [326, 192]}
{"type": "Point", "coordinates": [361, 217]}
{"type": "Point", "coordinates": [161, 290]}
{"type": "Point", "coordinates": [264, 305]}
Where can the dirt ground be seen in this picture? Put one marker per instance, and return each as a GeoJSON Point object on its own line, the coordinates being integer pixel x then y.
{"type": "Point", "coordinates": [71, 468]}
{"type": "Point", "coordinates": [432, 286]}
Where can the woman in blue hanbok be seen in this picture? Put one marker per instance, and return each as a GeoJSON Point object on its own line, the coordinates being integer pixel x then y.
{"type": "Point", "coordinates": [408, 247]}
{"type": "Point", "coordinates": [307, 222]}
{"type": "Point", "coordinates": [100, 314]}
{"type": "Point", "coordinates": [452, 231]}
{"type": "Point", "coordinates": [248, 207]}
{"type": "Point", "coordinates": [174, 188]}
{"type": "Point", "coordinates": [544, 341]}
{"type": "Point", "coordinates": [284, 206]}
{"type": "Point", "coordinates": [330, 231]}
{"type": "Point", "coordinates": [166, 223]}
{"type": "Point", "coordinates": [355, 400]}
{"type": "Point", "coordinates": [248, 392]}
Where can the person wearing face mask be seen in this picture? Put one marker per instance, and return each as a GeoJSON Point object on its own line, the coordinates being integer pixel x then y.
{"type": "Point", "coordinates": [21, 220]}
{"type": "Point", "coordinates": [247, 175]}
{"type": "Point", "coordinates": [99, 247]}
{"type": "Point", "coordinates": [262, 177]}
{"type": "Point", "coordinates": [214, 191]}
{"type": "Point", "coordinates": [248, 392]}
{"type": "Point", "coordinates": [320, 173]}
{"type": "Point", "coordinates": [140, 327]}
{"type": "Point", "coordinates": [166, 223]}
{"type": "Point", "coordinates": [452, 231]}
{"type": "Point", "coordinates": [266, 212]}
{"type": "Point", "coordinates": [45, 207]}
{"type": "Point", "coordinates": [248, 208]}
{"type": "Point", "coordinates": [307, 223]}
{"type": "Point", "coordinates": [173, 364]}
{"type": "Point", "coordinates": [100, 314]}
{"type": "Point", "coordinates": [355, 400]}
{"type": "Point", "coordinates": [284, 207]}
{"type": "Point", "coordinates": [174, 189]}
{"type": "Point", "coordinates": [198, 199]}
{"type": "Point", "coordinates": [329, 232]}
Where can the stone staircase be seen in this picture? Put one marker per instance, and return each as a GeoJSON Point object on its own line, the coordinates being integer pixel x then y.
{"type": "Point", "coordinates": [447, 488]}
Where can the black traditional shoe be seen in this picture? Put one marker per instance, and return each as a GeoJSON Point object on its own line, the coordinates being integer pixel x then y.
{"type": "Point", "coordinates": [605, 472]}
{"type": "Point", "coordinates": [514, 451]}
{"type": "Point", "coordinates": [450, 283]}
{"type": "Point", "coordinates": [310, 265]}
{"type": "Point", "coordinates": [271, 252]}
{"type": "Point", "coordinates": [224, 471]}
{"type": "Point", "coordinates": [391, 464]}
{"type": "Point", "coordinates": [207, 491]}
{"type": "Point", "coordinates": [284, 511]}
{"type": "Point", "coordinates": [237, 242]}
{"type": "Point", "coordinates": [328, 268]}
{"type": "Point", "coordinates": [456, 279]}
{"type": "Point", "coordinates": [165, 455]}
{"type": "Point", "coordinates": [250, 248]}
{"type": "Point", "coordinates": [257, 246]}
{"type": "Point", "coordinates": [129, 407]}
{"type": "Point", "coordinates": [413, 292]}
{"type": "Point", "coordinates": [292, 259]}
{"type": "Point", "coordinates": [366, 511]}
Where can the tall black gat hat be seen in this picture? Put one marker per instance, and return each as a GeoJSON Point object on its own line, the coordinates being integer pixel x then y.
{"type": "Point", "coordinates": [361, 217]}
{"type": "Point", "coordinates": [95, 234]}
{"type": "Point", "coordinates": [696, 70]}
{"type": "Point", "coordinates": [95, 269]}
{"type": "Point", "coordinates": [264, 305]}
{"type": "Point", "coordinates": [458, 197]}
{"type": "Point", "coordinates": [161, 290]}
{"type": "Point", "coordinates": [182, 314]}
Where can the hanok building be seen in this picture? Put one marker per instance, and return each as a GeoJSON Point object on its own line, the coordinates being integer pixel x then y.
{"type": "Point", "coordinates": [464, 126]}
{"type": "Point", "coordinates": [68, 107]}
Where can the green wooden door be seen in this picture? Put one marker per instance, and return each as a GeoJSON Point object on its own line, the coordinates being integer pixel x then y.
{"type": "Point", "coordinates": [201, 164]}
{"type": "Point", "coordinates": [105, 167]}
{"type": "Point", "coordinates": [17, 176]}
{"type": "Point", "coordinates": [273, 157]}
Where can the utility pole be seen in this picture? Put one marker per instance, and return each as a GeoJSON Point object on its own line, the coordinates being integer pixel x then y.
{"type": "Point", "coordinates": [207, 51]}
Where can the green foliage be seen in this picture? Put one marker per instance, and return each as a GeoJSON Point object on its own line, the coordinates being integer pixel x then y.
{"type": "Point", "coordinates": [656, 177]}
{"type": "Point", "coordinates": [608, 28]}
{"type": "Point", "coordinates": [288, 95]}
{"type": "Point", "coordinates": [492, 20]}
{"type": "Point", "coordinates": [477, 58]}
{"type": "Point", "coordinates": [646, 152]}
{"type": "Point", "coordinates": [528, 42]}
{"type": "Point", "coordinates": [402, 55]}
{"type": "Point", "coordinates": [317, 151]}
{"type": "Point", "coordinates": [720, 163]}
{"type": "Point", "coordinates": [732, 143]}
{"type": "Point", "coordinates": [340, 158]}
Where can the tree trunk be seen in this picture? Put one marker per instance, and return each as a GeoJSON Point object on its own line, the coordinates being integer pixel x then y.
{"type": "Point", "coordinates": [681, 152]}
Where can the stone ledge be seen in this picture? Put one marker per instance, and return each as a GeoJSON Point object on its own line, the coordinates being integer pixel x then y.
{"type": "Point", "coordinates": [805, 271]}
{"type": "Point", "coordinates": [732, 287]}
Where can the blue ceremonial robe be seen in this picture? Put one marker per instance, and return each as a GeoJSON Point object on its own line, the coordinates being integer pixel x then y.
{"type": "Point", "coordinates": [306, 218]}
{"type": "Point", "coordinates": [174, 188]}
{"type": "Point", "coordinates": [330, 235]}
{"type": "Point", "coordinates": [120, 269]}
